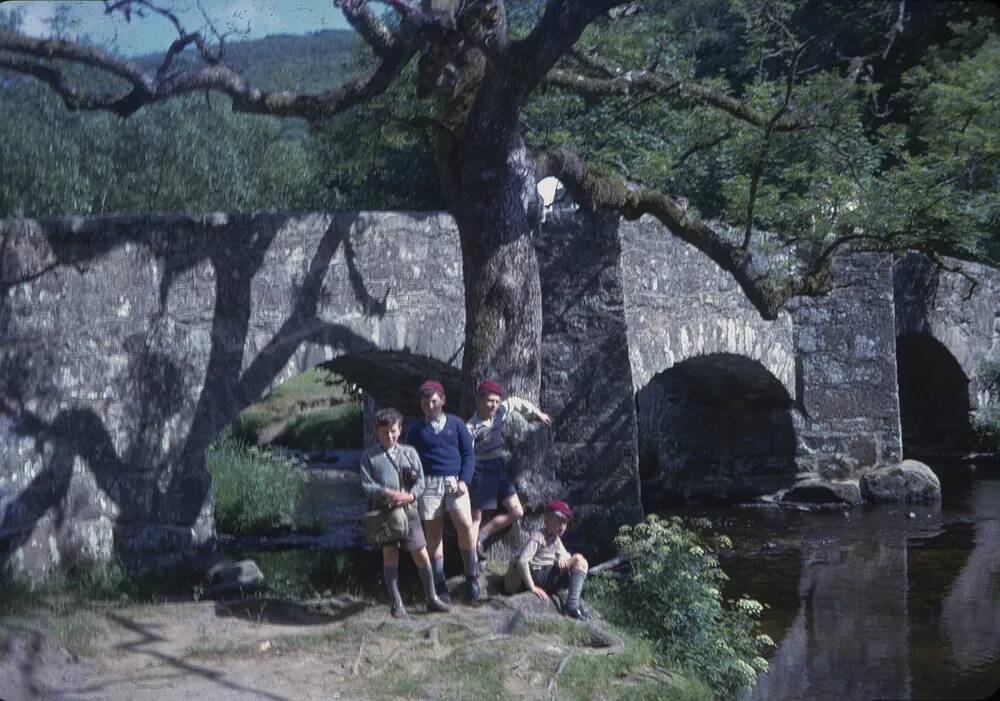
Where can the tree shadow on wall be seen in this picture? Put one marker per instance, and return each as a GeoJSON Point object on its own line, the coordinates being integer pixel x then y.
{"type": "Point", "coordinates": [147, 485]}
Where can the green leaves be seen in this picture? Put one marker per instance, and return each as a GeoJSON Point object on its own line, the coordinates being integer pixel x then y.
{"type": "Point", "coordinates": [254, 491]}
{"type": "Point", "coordinates": [673, 594]}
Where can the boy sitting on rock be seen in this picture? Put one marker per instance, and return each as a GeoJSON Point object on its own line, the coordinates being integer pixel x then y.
{"type": "Point", "coordinates": [544, 565]}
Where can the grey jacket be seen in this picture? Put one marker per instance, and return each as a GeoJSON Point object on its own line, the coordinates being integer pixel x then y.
{"type": "Point", "coordinates": [378, 472]}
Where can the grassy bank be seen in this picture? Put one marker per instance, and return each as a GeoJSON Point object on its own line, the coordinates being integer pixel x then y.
{"type": "Point", "coordinates": [254, 490]}
{"type": "Point", "coordinates": [312, 411]}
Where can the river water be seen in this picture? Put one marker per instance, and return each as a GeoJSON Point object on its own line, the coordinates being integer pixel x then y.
{"type": "Point", "coordinates": [873, 603]}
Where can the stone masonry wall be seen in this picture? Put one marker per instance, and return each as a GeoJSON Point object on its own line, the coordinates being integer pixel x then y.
{"type": "Point", "coordinates": [835, 355]}
{"type": "Point", "coordinates": [128, 343]}
{"type": "Point", "coordinates": [680, 305]}
{"type": "Point", "coordinates": [845, 371]}
{"type": "Point", "coordinates": [586, 378]}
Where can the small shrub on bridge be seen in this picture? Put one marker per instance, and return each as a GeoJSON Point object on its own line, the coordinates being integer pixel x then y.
{"type": "Point", "coordinates": [673, 594]}
{"type": "Point", "coordinates": [254, 490]}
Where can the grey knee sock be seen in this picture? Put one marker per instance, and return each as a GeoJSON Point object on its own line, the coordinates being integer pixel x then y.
{"type": "Point", "coordinates": [576, 580]}
{"type": "Point", "coordinates": [438, 567]}
{"type": "Point", "coordinates": [391, 576]}
{"type": "Point", "coordinates": [427, 579]}
{"type": "Point", "coordinates": [469, 560]}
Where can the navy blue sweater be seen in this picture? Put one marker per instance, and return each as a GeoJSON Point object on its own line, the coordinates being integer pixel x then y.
{"type": "Point", "coordinates": [446, 454]}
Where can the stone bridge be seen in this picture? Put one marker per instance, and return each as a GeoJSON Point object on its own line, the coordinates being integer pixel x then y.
{"type": "Point", "coordinates": [130, 342]}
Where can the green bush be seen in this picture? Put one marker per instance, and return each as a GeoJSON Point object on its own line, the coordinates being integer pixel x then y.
{"type": "Point", "coordinates": [673, 595]}
{"type": "Point", "coordinates": [254, 491]}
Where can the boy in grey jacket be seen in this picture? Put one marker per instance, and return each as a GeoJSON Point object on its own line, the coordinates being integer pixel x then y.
{"type": "Point", "coordinates": [391, 475]}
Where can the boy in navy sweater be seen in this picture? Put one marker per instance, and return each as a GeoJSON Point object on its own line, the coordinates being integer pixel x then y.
{"type": "Point", "coordinates": [445, 448]}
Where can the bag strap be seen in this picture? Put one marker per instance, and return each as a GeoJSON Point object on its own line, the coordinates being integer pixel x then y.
{"type": "Point", "coordinates": [399, 472]}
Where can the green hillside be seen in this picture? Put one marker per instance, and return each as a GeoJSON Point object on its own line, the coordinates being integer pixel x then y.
{"type": "Point", "coordinates": [310, 62]}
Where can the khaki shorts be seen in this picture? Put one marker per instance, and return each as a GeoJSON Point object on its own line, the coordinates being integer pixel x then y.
{"type": "Point", "coordinates": [439, 496]}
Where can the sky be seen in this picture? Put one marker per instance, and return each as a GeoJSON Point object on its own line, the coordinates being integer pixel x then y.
{"type": "Point", "coordinates": [153, 34]}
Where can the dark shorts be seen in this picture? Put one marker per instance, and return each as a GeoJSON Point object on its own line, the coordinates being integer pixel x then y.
{"type": "Point", "coordinates": [414, 539]}
{"type": "Point", "coordinates": [490, 485]}
{"type": "Point", "coordinates": [550, 578]}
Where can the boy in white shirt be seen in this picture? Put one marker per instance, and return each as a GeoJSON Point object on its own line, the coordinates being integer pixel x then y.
{"type": "Point", "coordinates": [544, 565]}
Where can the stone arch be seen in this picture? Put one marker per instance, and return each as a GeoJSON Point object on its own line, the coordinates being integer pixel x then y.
{"type": "Point", "coordinates": [390, 378]}
{"type": "Point", "coordinates": [714, 428]}
{"type": "Point", "coordinates": [934, 402]}
{"type": "Point", "coordinates": [955, 302]}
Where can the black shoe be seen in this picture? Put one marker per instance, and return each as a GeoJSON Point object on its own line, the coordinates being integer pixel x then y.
{"type": "Point", "coordinates": [472, 588]}
{"type": "Point", "coordinates": [436, 604]}
{"type": "Point", "coordinates": [579, 613]}
{"type": "Point", "coordinates": [398, 612]}
{"type": "Point", "coordinates": [442, 592]}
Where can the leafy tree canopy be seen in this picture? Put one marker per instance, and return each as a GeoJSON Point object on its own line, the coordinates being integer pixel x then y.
{"type": "Point", "coordinates": [864, 123]}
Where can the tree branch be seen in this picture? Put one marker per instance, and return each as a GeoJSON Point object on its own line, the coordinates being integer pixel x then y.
{"type": "Point", "coordinates": [72, 98]}
{"type": "Point", "coordinates": [765, 291]}
{"type": "Point", "coordinates": [857, 64]}
{"type": "Point", "coordinates": [372, 30]}
{"type": "Point", "coordinates": [559, 28]}
{"type": "Point", "coordinates": [702, 146]}
{"type": "Point", "coordinates": [148, 88]}
{"type": "Point", "coordinates": [77, 53]}
{"type": "Point", "coordinates": [626, 82]}
{"type": "Point", "coordinates": [758, 169]}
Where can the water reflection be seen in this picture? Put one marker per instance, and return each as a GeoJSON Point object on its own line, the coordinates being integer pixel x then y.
{"type": "Point", "coordinates": [887, 606]}
{"type": "Point", "coordinates": [851, 616]}
{"type": "Point", "coordinates": [970, 615]}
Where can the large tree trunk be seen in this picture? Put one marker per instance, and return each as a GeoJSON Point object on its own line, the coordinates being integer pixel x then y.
{"type": "Point", "coordinates": [490, 183]}
{"type": "Point", "coordinates": [493, 195]}
{"type": "Point", "coordinates": [503, 299]}
{"type": "Point", "coordinates": [498, 218]}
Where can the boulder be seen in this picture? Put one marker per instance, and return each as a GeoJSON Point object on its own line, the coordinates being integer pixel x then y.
{"type": "Point", "coordinates": [228, 578]}
{"type": "Point", "coordinates": [908, 481]}
{"type": "Point", "coordinates": [836, 466]}
{"type": "Point", "coordinates": [816, 490]}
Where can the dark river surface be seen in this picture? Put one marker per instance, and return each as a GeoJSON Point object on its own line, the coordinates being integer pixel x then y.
{"type": "Point", "coordinates": [872, 603]}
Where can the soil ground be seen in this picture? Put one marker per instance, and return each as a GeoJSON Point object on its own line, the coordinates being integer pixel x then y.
{"type": "Point", "coordinates": [333, 648]}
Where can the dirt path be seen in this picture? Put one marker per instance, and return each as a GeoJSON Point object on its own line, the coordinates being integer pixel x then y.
{"type": "Point", "coordinates": [337, 648]}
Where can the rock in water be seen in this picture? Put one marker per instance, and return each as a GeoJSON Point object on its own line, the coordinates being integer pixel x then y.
{"type": "Point", "coordinates": [908, 481]}
{"type": "Point", "coordinates": [822, 491]}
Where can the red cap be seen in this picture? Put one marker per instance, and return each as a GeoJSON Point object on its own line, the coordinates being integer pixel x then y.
{"type": "Point", "coordinates": [431, 386]}
{"type": "Point", "coordinates": [489, 387]}
{"type": "Point", "coordinates": [559, 507]}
